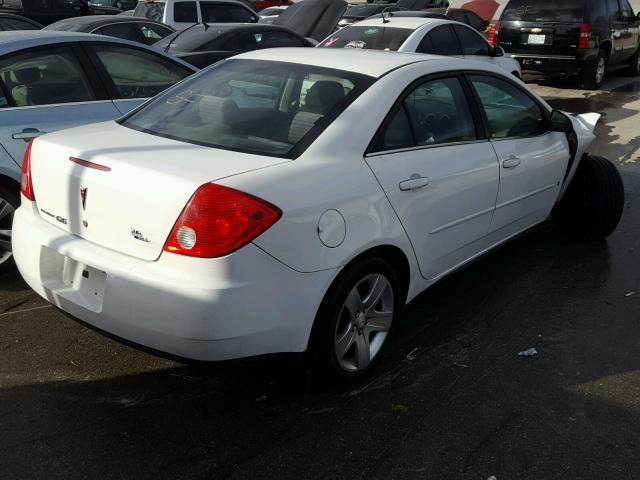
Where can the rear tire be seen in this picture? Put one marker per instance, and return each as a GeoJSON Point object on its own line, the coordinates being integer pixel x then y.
{"type": "Point", "coordinates": [593, 203]}
{"type": "Point", "coordinates": [9, 202]}
{"type": "Point", "coordinates": [342, 332]}
{"type": "Point", "coordinates": [634, 66]}
{"type": "Point", "coordinates": [593, 72]}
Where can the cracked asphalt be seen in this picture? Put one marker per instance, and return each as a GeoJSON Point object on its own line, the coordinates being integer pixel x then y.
{"type": "Point", "coordinates": [452, 399]}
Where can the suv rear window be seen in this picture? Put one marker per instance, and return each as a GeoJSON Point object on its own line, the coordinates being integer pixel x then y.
{"type": "Point", "coordinates": [254, 106]}
{"type": "Point", "coordinates": [372, 38]}
{"type": "Point", "coordinates": [543, 11]}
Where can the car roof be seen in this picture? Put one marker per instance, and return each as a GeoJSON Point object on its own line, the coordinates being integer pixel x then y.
{"type": "Point", "coordinates": [374, 63]}
{"type": "Point", "coordinates": [90, 21]}
{"type": "Point", "coordinates": [17, 40]}
{"type": "Point", "coordinates": [412, 23]}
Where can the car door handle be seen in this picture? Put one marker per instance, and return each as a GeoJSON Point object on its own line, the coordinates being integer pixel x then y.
{"type": "Point", "coordinates": [413, 183]}
{"type": "Point", "coordinates": [511, 162]}
{"type": "Point", "coordinates": [27, 134]}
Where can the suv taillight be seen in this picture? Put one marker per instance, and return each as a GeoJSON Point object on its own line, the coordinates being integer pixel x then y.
{"type": "Point", "coordinates": [493, 31]}
{"type": "Point", "coordinates": [218, 221]}
{"type": "Point", "coordinates": [26, 182]}
{"type": "Point", "coordinates": [585, 35]}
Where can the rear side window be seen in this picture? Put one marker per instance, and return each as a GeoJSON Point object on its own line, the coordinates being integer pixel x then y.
{"type": "Point", "coordinates": [443, 42]}
{"type": "Point", "coordinates": [373, 38]}
{"type": "Point", "coordinates": [510, 112]}
{"type": "Point", "coordinates": [120, 30]}
{"type": "Point", "coordinates": [185, 12]}
{"type": "Point", "coordinates": [222, 13]}
{"type": "Point", "coordinates": [471, 41]}
{"type": "Point", "coordinates": [260, 107]}
{"type": "Point", "coordinates": [138, 74]}
{"type": "Point", "coordinates": [544, 11]}
{"type": "Point", "coordinates": [436, 112]}
{"type": "Point", "coordinates": [151, 33]}
{"type": "Point", "coordinates": [45, 78]}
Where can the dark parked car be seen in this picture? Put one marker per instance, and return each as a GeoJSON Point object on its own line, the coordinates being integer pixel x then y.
{"type": "Point", "coordinates": [203, 45]}
{"type": "Point", "coordinates": [357, 13]}
{"type": "Point", "coordinates": [585, 37]}
{"type": "Point", "coordinates": [135, 29]}
{"type": "Point", "coordinates": [47, 11]}
{"type": "Point", "coordinates": [9, 22]}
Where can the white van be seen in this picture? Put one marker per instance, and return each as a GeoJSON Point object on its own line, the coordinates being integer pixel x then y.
{"type": "Point", "coordinates": [181, 14]}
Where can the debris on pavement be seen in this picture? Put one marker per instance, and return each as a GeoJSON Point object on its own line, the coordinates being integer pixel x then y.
{"type": "Point", "coordinates": [528, 353]}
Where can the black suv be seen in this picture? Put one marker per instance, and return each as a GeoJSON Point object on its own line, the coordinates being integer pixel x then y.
{"type": "Point", "coordinates": [585, 37]}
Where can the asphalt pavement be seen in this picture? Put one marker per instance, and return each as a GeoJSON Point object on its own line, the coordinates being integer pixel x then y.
{"type": "Point", "coordinates": [452, 399]}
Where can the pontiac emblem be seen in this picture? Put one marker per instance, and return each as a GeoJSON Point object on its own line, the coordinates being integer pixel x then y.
{"type": "Point", "coordinates": [83, 197]}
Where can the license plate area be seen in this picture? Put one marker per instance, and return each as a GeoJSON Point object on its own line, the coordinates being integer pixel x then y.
{"type": "Point", "coordinates": [536, 39]}
{"type": "Point", "coordinates": [72, 280]}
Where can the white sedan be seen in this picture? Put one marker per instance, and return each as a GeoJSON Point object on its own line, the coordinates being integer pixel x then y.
{"type": "Point", "coordinates": [421, 35]}
{"type": "Point", "coordinates": [294, 200]}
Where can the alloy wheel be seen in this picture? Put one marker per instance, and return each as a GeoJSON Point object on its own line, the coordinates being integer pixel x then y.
{"type": "Point", "coordinates": [6, 219]}
{"type": "Point", "coordinates": [600, 71]}
{"type": "Point", "coordinates": [364, 322]}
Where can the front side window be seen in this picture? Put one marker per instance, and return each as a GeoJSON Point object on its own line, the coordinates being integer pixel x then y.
{"type": "Point", "coordinates": [471, 42]}
{"type": "Point", "coordinates": [443, 41]}
{"type": "Point", "coordinates": [185, 12]}
{"type": "Point", "coordinates": [151, 32]}
{"type": "Point", "coordinates": [510, 111]}
{"type": "Point", "coordinates": [45, 78]}
{"type": "Point", "coordinates": [223, 13]}
{"type": "Point", "coordinates": [261, 107]}
{"type": "Point", "coordinates": [138, 74]}
{"type": "Point", "coordinates": [436, 112]}
{"type": "Point", "coordinates": [120, 30]}
{"type": "Point", "coordinates": [370, 38]}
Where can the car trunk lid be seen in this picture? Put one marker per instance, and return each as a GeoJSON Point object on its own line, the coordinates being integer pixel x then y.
{"type": "Point", "coordinates": [316, 19]}
{"type": "Point", "coordinates": [123, 189]}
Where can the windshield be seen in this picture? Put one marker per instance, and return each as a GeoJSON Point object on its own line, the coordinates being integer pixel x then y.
{"type": "Point", "coordinates": [373, 38]}
{"type": "Point", "coordinates": [254, 106]}
{"type": "Point", "coordinates": [150, 10]}
{"type": "Point", "coordinates": [537, 11]}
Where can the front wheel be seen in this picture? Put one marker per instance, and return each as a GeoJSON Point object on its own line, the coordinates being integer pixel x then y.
{"type": "Point", "coordinates": [593, 203]}
{"type": "Point", "coordinates": [353, 324]}
{"type": "Point", "coordinates": [593, 72]}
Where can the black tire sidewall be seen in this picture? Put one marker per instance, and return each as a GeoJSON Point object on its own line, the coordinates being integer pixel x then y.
{"type": "Point", "coordinates": [12, 195]}
{"type": "Point", "coordinates": [324, 364]}
{"type": "Point", "coordinates": [588, 80]}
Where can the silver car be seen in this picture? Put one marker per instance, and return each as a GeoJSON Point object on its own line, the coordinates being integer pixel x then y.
{"type": "Point", "coordinates": [53, 80]}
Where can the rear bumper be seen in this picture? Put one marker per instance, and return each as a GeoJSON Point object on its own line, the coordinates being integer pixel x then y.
{"type": "Point", "coordinates": [569, 64]}
{"type": "Point", "coordinates": [242, 305]}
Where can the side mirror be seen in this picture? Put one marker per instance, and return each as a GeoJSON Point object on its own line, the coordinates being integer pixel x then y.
{"type": "Point", "coordinates": [498, 51]}
{"type": "Point", "coordinates": [559, 122]}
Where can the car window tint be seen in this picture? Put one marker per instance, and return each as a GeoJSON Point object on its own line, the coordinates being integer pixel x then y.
{"type": "Point", "coordinates": [276, 39]}
{"type": "Point", "coordinates": [120, 30]}
{"type": "Point", "coordinates": [7, 24]}
{"type": "Point", "coordinates": [45, 78]}
{"type": "Point", "coordinates": [444, 42]}
{"type": "Point", "coordinates": [185, 12]}
{"type": "Point", "coordinates": [625, 10]}
{"type": "Point", "coordinates": [224, 13]}
{"type": "Point", "coordinates": [475, 21]}
{"type": "Point", "coordinates": [510, 111]}
{"type": "Point", "coordinates": [151, 32]}
{"type": "Point", "coordinates": [597, 11]}
{"type": "Point", "coordinates": [245, 42]}
{"type": "Point", "coordinates": [439, 113]}
{"type": "Point", "coordinates": [374, 38]}
{"type": "Point", "coordinates": [4, 101]}
{"type": "Point", "coordinates": [398, 134]}
{"type": "Point", "coordinates": [614, 9]}
{"type": "Point", "coordinates": [471, 42]}
{"type": "Point", "coordinates": [544, 11]}
{"type": "Point", "coordinates": [458, 16]}
{"type": "Point", "coordinates": [138, 74]}
{"type": "Point", "coordinates": [266, 108]}
{"type": "Point", "coordinates": [425, 45]}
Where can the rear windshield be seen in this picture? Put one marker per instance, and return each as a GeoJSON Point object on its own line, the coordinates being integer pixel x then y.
{"type": "Point", "coordinates": [65, 27]}
{"type": "Point", "coordinates": [365, 10]}
{"type": "Point", "coordinates": [372, 38]}
{"type": "Point", "coordinates": [150, 10]}
{"type": "Point", "coordinates": [544, 11]}
{"type": "Point", "coordinates": [253, 106]}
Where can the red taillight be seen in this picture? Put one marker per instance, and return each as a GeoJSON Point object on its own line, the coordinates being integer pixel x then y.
{"type": "Point", "coordinates": [585, 35]}
{"type": "Point", "coordinates": [26, 182]}
{"type": "Point", "coordinates": [218, 221]}
{"type": "Point", "coordinates": [493, 32]}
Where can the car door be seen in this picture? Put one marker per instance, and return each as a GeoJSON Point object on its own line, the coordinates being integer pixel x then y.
{"type": "Point", "coordinates": [630, 43]}
{"type": "Point", "coordinates": [133, 75]}
{"type": "Point", "coordinates": [439, 172]}
{"type": "Point", "coordinates": [48, 89]}
{"type": "Point", "coordinates": [618, 27]}
{"type": "Point", "coordinates": [533, 160]}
